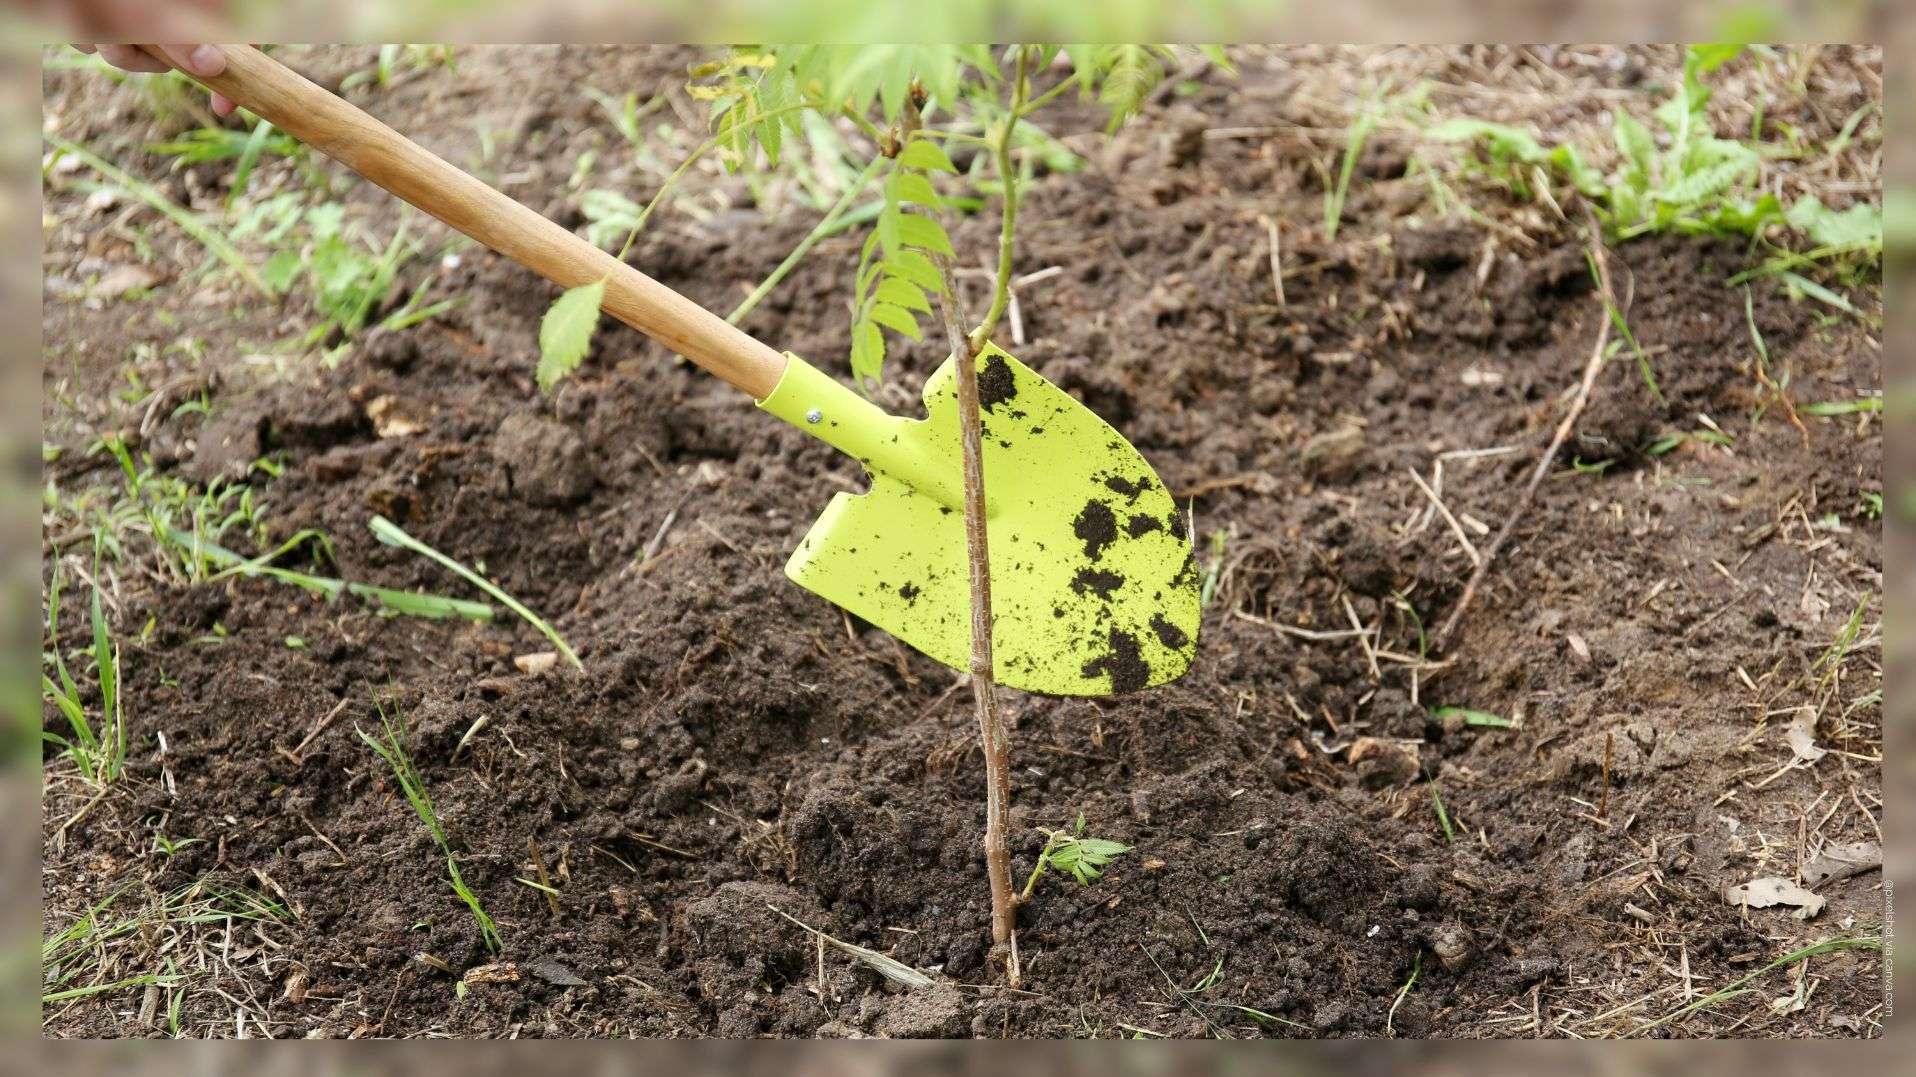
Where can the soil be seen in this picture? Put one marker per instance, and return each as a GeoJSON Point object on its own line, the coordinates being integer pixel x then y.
{"type": "Point", "coordinates": [736, 748]}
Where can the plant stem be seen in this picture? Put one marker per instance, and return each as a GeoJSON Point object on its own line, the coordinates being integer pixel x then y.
{"type": "Point", "coordinates": [1008, 177]}
{"type": "Point", "coordinates": [1037, 870]}
{"type": "Point", "coordinates": [671, 181]}
{"type": "Point", "coordinates": [818, 232]}
{"type": "Point", "coordinates": [991, 729]}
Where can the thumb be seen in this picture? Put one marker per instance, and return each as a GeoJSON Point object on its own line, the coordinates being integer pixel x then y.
{"type": "Point", "coordinates": [204, 61]}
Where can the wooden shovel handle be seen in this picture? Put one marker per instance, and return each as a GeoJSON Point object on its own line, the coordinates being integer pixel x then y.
{"type": "Point", "coordinates": [397, 164]}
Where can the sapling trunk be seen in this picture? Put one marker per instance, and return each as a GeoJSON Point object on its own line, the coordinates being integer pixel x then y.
{"type": "Point", "coordinates": [991, 729]}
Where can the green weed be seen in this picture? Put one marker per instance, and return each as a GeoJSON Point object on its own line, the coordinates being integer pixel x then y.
{"type": "Point", "coordinates": [1698, 184]}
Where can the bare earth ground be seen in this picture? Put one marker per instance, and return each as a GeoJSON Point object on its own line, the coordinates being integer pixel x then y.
{"type": "Point", "coordinates": [735, 744]}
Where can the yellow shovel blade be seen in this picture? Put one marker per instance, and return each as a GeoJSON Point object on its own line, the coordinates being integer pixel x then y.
{"type": "Point", "coordinates": [1093, 586]}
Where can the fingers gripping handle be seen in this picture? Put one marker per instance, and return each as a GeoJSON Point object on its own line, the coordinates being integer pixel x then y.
{"type": "Point", "coordinates": [400, 166]}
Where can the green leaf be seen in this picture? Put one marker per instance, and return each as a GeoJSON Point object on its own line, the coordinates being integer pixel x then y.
{"type": "Point", "coordinates": [1743, 217]}
{"type": "Point", "coordinates": [1859, 227]}
{"type": "Point", "coordinates": [903, 293]}
{"type": "Point", "coordinates": [1712, 56]}
{"type": "Point", "coordinates": [916, 268]}
{"type": "Point", "coordinates": [281, 270]}
{"type": "Point", "coordinates": [868, 351]}
{"type": "Point", "coordinates": [889, 231]}
{"type": "Point", "coordinates": [1635, 143]}
{"type": "Point", "coordinates": [917, 230]}
{"type": "Point", "coordinates": [1796, 283]}
{"type": "Point", "coordinates": [1502, 141]}
{"type": "Point", "coordinates": [1585, 179]}
{"type": "Point", "coordinates": [913, 187]}
{"type": "Point", "coordinates": [1712, 180]}
{"type": "Point", "coordinates": [925, 154]}
{"type": "Point", "coordinates": [1844, 407]}
{"type": "Point", "coordinates": [1133, 74]}
{"type": "Point", "coordinates": [897, 319]}
{"type": "Point", "coordinates": [566, 332]}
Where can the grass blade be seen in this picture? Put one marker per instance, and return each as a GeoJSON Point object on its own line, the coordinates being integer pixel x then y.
{"type": "Point", "coordinates": [189, 222]}
{"type": "Point", "coordinates": [393, 535]}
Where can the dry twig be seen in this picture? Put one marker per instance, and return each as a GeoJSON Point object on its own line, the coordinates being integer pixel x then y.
{"type": "Point", "coordinates": [1606, 296]}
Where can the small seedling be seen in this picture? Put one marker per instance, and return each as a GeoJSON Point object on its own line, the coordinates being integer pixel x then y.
{"type": "Point", "coordinates": [390, 748]}
{"type": "Point", "coordinates": [1354, 140]}
{"type": "Point", "coordinates": [1084, 859]}
{"type": "Point", "coordinates": [1443, 816]}
{"type": "Point", "coordinates": [166, 846]}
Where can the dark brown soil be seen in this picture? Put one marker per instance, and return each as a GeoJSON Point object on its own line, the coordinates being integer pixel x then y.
{"type": "Point", "coordinates": [736, 745]}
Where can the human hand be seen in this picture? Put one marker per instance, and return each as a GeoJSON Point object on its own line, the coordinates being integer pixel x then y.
{"type": "Point", "coordinates": [198, 60]}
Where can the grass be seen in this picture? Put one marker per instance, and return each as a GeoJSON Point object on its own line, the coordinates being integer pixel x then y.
{"type": "Point", "coordinates": [1482, 719]}
{"type": "Point", "coordinates": [1622, 326]}
{"type": "Point", "coordinates": [1740, 985]}
{"type": "Point", "coordinates": [1416, 968]}
{"type": "Point", "coordinates": [1869, 404]}
{"type": "Point", "coordinates": [1337, 192]}
{"type": "Point", "coordinates": [393, 535]}
{"type": "Point", "coordinates": [391, 748]}
{"type": "Point", "coordinates": [206, 234]}
{"type": "Point", "coordinates": [399, 603]}
{"type": "Point", "coordinates": [1443, 816]}
{"type": "Point", "coordinates": [94, 954]}
{"type": "Point", "coordinates": [1687, 180]}
{"type": "Point", "coordinates": [98, 748]}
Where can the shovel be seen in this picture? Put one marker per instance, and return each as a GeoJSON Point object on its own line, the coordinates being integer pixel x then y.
{"type": "Point", "coordinates": [1095, 590]}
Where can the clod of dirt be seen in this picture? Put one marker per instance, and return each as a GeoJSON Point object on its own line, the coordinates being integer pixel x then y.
{"type": "Point", "coordinates": [934, 1012]}
{"type": "Point", "coordinates": [1438, 249]}
{"type": "Point", "coordinates": [1392, 712]}
{"type": "Point", "coordinates": [740, 944]}
{"type": "Point", "coordinates": [1381, 761]}
{"type": "Point", "coordinates": [1096, 527]}
{"type": "Point", "coordinates": [303, 417]}
{"type": "Point", "coordinates": [1097, 581]}
{"type": "Point", "coordinates": [1141, 524]}
{"type": "Point", "coordinates": [1168, 634]}
{"type": "Point", "coordinates": [554, 972]}
{"type": "Point", "coordinates": [1620, 420]}
{"type": "Point", "coordinates": [1186, 145]}
{"type": "Point", "coordinates": [546, 462]}
{"type": "Point", "coordinates": [1450, 941]}
{"type": "Point", "coordinates": [227, 446]}
{"type": "Point", "coordinates": [995, 383]}
{"type": "Point", "coordinates": [1335, 456]}
{"type": "Point", "coordinates": [1124, 662]}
